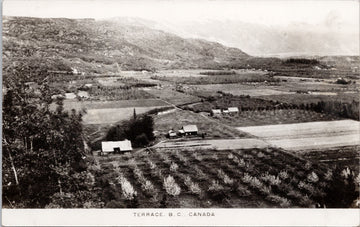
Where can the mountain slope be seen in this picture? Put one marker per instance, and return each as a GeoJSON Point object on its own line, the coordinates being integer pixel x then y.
{"type": "Point", "coordinates": [259, 39]}
{"type": "Point", "coordinates": [107, 45]}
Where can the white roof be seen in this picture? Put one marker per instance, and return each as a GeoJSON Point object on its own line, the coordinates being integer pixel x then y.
{"type": "Point", "coordinates": [225, 111]}
{"type": "Point", "coordinates": [216, 111]}
{"type": "Point", "coordinates": [108, 146]}
{"type": "Point", "coordinates": [233, 109]}
{"type": "Point", "coordinates": [70, 95]}
{"type": "Point", "coordinates": [190, 128]}
{"type": "Point", "coordinates": [83, 94]}
{"type": "Point", "coordinates": [181, 131]}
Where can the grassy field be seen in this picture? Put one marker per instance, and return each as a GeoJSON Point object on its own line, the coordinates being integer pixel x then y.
{"type": "Point", "coordinates": [240, 89]}
{"type": "Point", "coordinates": [113, 115]}
{"type": "Point", "coordinates": [172, 96]}
{"type": "Point", "coordinates": [213, 129]}
{"type": "Point", "coordinates": [251, 178]}
{"type": "Point", "coordinates": [218, 79]}
{"type": "Point", "coordinates": [79, 105]}
{"type": "Point", "coordinates": [310, 135]}
{"type": "Point", "coordinates": [269, 117]}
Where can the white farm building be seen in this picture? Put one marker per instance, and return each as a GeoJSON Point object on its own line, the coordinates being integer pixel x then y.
{"type": "Point", "coordinates": [116, 146]}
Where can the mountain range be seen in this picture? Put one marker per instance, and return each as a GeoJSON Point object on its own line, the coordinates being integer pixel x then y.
{"type": "Point", "coordinates": [103, 46]}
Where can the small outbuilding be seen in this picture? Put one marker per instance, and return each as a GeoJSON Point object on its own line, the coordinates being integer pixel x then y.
{"type": "Point", "coordinates": [225, 111]}
{"type": "Point", "coordinates": [171, 134]}
{"type": "Point", "coordinates": [215, 112]}
{"type": "Point", "coordinates": [190, 129]}
{"type": "Point", "coordinates": [233, 110]}
{"type": "Point", "coordinates": [116, 146]}
{"type": "Point", "coordinates": [70, 95]}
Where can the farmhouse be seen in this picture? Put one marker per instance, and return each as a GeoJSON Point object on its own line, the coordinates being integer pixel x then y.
{"type": "Point", "coordinates": [233, 110]}
{"type": "Point", "coordinates": [116, 146]}
{"type": "Point", "coordinates": [70, 95]}
{"type": "Point", "coordinates": [215, 112]}
{"type": "Point", "coordinates": [190, 129]}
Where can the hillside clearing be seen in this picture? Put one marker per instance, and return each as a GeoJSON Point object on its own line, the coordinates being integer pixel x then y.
{"type": "Point", "coordinates": [177, 119]}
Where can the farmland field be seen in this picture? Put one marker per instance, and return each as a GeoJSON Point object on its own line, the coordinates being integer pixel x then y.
{"type": "Point", "coordinates": [179, 118]}
{"type": "Point", "coordinates": [108, 112]}
{"type": "Point", "coordinates": [212, 78]}
{"type": "Point", "coordinates": [312, 98]}
{"type": "Point", "coordinates": [241, 89]}
{"type": "Point", "coordinates": [79, 105]}
{"type": "Point", "coordinates": [342, 157]}
{"type": "Point", "coordinates": [311, 135]}
{"type": "Point", "coordinates": [277, 116]}
{"type": "Point", "coordinates": [113, 115]}
{"type": "Point", "coordinates": [172, 96]}
{"type": "Point", "coordinates": [248, 178]}
{"type": "Point", "coordinates": [218, 144]}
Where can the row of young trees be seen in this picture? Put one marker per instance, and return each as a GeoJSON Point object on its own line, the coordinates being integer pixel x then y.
{"type": "Point", "coordinates": [42, 148]}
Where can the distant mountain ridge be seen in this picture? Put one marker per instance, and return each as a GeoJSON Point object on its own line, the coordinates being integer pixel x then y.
{"type": "Point", "coordinates": [102, 46]}
{"type": "Point", "coordinates": [262, 40]}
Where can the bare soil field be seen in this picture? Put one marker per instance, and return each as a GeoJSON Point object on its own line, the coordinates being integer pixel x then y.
{"type": "Point", "coordinates": [249, 178]}
{"type": "Point", "coordinates": [179, 118]}
{"type": "Point", "coordinates": [311, 135]}
{"type": "Point", "coordinates": [218, 144]}
{"type": "Point", "coordinates": [276, 116]}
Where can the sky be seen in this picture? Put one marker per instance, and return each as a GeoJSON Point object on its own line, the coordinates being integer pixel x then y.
{"type": "Point", "coordinates": [273, 12]}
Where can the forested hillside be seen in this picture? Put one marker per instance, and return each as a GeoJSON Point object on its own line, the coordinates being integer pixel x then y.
{"type": "Point", "coordinates": [106, 46]}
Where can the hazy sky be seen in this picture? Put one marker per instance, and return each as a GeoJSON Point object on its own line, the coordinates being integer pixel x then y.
{"type": "Point", "coordinates": [264, 12]}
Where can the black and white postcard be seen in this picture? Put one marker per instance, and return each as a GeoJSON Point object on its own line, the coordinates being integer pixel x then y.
{"type": "Point", "coordinates": [169, 112]}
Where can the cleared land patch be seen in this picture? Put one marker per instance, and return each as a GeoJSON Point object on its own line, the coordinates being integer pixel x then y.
{"type": "Point", "coordinates": [108, 112]}
{"type": "Point", "coordinates": [79, 105]}
{"type": "Point", "coordinates": [276, 116]}
{"type": "Point", "coordinates": [112, 115]}
{"type": "Point", "coordinates": [175, 120]}
{"type": "Point", "coordinates": [310, 135]}
{"type": "Point", "coordinates": [241, 89]}
{"type": "Point", "coordinates": [172, 96]}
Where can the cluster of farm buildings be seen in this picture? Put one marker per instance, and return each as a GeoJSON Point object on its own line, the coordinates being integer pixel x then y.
{"type": "Point", "coordinates": [121, 147]}
{"type": "Point", "coordinates": [230, 110]}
